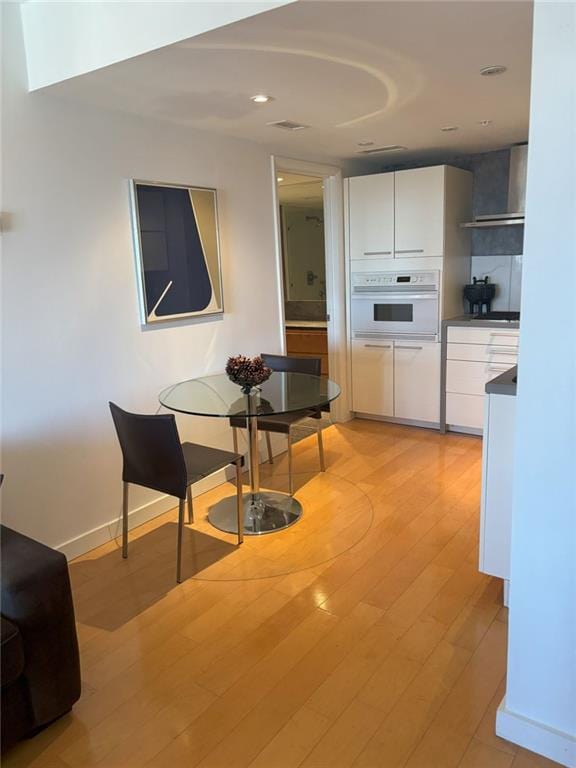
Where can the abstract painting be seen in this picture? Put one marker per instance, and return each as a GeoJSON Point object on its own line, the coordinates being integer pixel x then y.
{"type": "Point", "coordinates": [177, 249]}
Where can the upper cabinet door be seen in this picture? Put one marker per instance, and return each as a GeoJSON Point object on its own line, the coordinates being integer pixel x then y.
{"type": "Point", "coordinates": [371, 202]}
{"type": "Point", "coordinates": [419, 203]}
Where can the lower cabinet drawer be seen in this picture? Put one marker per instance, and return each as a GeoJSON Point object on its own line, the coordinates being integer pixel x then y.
{"type": "Point", "coordinates": [470, 378]}
{"type": "Point", "coordinates": [484, 336]}
{"type": "Point", "coordinates": [487, 353]}
{"type": "Point", "coordinates": [465, 410]}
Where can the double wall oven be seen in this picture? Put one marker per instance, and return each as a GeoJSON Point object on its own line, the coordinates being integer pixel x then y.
{"type": "Point", "coordinates": [395, 305]}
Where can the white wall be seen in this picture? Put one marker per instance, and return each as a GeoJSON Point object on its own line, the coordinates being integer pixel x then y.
{"type": "Point", "coordinates": [71, 332]}
{"type": "Point", "coordinates": [66, 39]}
{"type": "Point", "coordinates": [539, 710]}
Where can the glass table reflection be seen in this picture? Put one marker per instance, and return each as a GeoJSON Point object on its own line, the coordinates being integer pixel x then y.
{"type": "Point", "coordinates": [217, 396]}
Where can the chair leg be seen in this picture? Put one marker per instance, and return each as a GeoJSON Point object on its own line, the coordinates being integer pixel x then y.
{"type": "Point", "coordinates": [235, 438]}
{"type": "Point", "coordinates": [290, 481]}
{"type": "Point", "coordinates": [190, 506]}
{"type": "Point", "coordinates": [321, 449]}
{"type": "Point", "coordinates": [269, 444]}
{"type": "Point", "coordinates": [181, 505]}
{"type": "Point", "coordinates": [125, 520]}
{"type": "Point", "coordinates": [239, 502]}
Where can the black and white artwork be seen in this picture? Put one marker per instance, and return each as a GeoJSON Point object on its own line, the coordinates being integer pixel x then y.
{"type": "Point", "coordinates": [177, 249]}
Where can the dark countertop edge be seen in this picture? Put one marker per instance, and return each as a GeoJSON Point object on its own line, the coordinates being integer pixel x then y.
{"type": "Point", "coordinates": [469, 322]}
{"type": "Point", "coordinates": [503, 384]}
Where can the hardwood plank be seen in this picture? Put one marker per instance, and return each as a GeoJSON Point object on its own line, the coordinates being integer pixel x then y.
{"type": "Point", "coordinates": [274, 710]}
{"type": "Point", "coordinates": [481, 755]}
{"type": "Point", "coordinates": [344, 740]}
{"type": "Point", "coordinates": [294, 741]}
{"type": "Point", "coordinates": [526, 759]}
{"type": "Point", "coordinates": [390, 653]}
{"type": "Point", "coordinates": [449, 734]}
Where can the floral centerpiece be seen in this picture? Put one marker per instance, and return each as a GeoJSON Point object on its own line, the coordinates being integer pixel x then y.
{"type": "Point", "coordinates": [247, 372]}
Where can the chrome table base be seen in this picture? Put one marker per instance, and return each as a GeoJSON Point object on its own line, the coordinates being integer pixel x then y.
{"type": "Point", "coordinates": [264, 512]}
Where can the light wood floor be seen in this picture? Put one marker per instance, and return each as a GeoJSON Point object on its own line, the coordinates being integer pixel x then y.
{"type": "Point", "coordinates": [390, 654]}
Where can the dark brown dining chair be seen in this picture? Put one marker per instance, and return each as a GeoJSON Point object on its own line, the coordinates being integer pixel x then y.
{"type": "Point", "coordinates": [283, 422]}
{"type": "Point", "coordinates": [155, 458]}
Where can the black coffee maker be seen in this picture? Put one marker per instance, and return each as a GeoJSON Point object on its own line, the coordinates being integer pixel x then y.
{"type": "Point", "coordinates": [479, 295]}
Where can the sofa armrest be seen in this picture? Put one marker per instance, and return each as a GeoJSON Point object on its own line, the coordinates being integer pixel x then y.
{"type": "Point", "coordinates": [37, 598]}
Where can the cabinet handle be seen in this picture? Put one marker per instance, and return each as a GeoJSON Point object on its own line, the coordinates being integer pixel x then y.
{"type": "Point", "coordinates": [499, 333]}
{"type": "Point", "coordinates": [502, 350]}
{"type": "Point", "coordinates": [399, 346]}
{"type": "Point", "coordinates": [409, 250]}
{"type": "Point", "coordinates": [377, 253]}
{"type": "Point", "coordinates": [379, 346]}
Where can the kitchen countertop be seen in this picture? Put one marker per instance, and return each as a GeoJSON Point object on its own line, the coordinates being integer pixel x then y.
{"type": "Point", "coordinates": [471, 322]}
{"type": "Point", "coordinates": [504, 384]}
{"type": "Point", "coordinates": [307, 324]}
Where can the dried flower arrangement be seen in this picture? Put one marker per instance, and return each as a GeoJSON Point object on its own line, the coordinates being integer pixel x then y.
{"type": "Point", "coordinates": [247, 372]}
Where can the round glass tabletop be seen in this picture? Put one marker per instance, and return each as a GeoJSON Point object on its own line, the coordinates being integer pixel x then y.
{"type": "Point", "coordinates": [218, 396]}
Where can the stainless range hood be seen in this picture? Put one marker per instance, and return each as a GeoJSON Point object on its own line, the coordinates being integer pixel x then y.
{"type": "Point", "coordinates": [516, 194]}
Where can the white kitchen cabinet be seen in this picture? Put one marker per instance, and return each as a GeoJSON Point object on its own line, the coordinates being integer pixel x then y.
{"type": "Point", "coordinates": [497, 482]}
{"type": "Point", "coordinates": [419, 212]}
{"type": "Point", "coordinates": [463, 334]}
{"type": "Point", "coordinates": [417, 380]}
{"type": "Point", "coordinates": [486, 353]}
{"type": "Point", "coordinates": [470, 377]}
{"type": "Point", "coordinates": [474, 356]}
{"type": "Point", "coordinates": [371, 216]}
{"type": "Point", "coordinates": [373, 377]}
{"type": "Point", "coordinates": [465, 412]}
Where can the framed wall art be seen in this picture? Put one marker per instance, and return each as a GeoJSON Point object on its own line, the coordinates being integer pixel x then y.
{"type": "Point", "coordinates": [177, 251]}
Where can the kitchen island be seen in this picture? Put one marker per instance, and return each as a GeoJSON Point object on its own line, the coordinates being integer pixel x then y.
{"type": "Point", "coordinates": [498, 477]}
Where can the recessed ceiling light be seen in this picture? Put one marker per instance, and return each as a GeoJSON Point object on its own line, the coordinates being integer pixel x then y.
{"type": "Point", "coordinates": [447, 128]}
{"type": "Point", "coordinates": [279, 178]}
{"type": "Point", "coordinates": [261, 98]}
{"type": "Point", "coordinates": [365, 143]}
{"type": "Point", "coordinates": [484, 123]}
{"type": "Point", "coordinates": [493, 69]}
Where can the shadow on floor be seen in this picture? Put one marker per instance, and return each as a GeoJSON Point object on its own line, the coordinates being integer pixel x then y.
{"type": "Point", "coordinates": [114, 590]}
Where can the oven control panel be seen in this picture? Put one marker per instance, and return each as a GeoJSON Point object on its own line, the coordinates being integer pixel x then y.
{"type": "Point", "coordinates": [392, 280]}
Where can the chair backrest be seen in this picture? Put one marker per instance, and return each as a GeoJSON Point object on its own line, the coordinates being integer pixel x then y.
{"type": "Point", "coordinates": [311, 365]}
{"type": "Point", "coordinates": [151, 450]}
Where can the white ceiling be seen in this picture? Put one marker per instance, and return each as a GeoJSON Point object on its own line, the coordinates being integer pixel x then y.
{"type": "Point", "coordinates": [387, 72]}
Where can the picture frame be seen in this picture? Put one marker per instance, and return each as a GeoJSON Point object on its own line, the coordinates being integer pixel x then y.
{"type": "Point", "coordinates": [177, 248]}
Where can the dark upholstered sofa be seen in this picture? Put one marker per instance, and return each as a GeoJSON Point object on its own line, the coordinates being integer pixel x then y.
{"type": "Point", "coordinates": [40, 660]}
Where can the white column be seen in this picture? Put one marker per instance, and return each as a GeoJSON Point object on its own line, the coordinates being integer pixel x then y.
{"type": "Point", "coordinates": [539, 709]}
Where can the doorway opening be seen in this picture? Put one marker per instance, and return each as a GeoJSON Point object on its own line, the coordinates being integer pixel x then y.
{"type": "Point", "coordinates": [302, 241]}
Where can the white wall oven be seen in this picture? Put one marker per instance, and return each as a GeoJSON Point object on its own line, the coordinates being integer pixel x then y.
{"type": "Point", "coordinates": [395, 304]}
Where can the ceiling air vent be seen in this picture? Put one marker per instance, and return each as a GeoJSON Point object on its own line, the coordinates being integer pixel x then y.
{"type": "Point", "coordinates": [377, 150]}
{"type": "Point", "coordinates": [288, 125]}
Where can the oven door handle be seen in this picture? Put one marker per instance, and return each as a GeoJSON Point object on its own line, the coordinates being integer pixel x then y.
{"type": "Point", "coordinates": [403, 296]}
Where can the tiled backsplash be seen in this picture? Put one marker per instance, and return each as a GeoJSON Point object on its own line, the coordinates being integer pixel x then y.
{"type": "Point", "coordinates": [506, 272]}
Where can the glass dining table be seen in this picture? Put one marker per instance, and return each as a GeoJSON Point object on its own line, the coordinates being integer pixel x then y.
{"type": "Point", "coordinates": [217, 396]}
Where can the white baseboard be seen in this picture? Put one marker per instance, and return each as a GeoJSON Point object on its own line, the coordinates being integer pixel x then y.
{"type": "Point", "coordinates": [537, 737]}
{"type": "Point", "coordinates": [110, 530]}
{"type": "Point", "coordinates": [402, 422]}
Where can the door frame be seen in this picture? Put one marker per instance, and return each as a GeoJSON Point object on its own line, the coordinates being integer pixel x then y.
{"type": "Point", "coordinates": [335, 269]}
